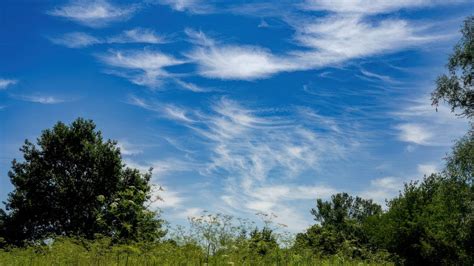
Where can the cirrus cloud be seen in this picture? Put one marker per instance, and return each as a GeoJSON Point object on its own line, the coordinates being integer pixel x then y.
{"type": "Point", "coordinates": [5, 83]}
{"type": "Point", "coordinates": [95, 13]}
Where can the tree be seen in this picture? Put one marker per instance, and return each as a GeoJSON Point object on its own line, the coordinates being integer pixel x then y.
{"type": "Point", "coordinates": [263, 241]}
{"type": "Point", "coordinates": [73, 183]}
{"type": "Point", "coordinates": [461, 163]}
{"type": "Point", "coordinates": [429, 223]}
{"type": "Point", "coordinates": [456, 87]}
{"type": "Point", "coordinates": [344, 209]}
{"type": "Point", "coordinates": [341, 226]}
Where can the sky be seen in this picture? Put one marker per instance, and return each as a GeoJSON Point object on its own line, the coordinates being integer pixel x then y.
{"type": "Point", "coordinates": [240, 107]}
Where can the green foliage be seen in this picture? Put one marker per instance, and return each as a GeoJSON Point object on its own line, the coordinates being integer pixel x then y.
{"type": "Point", "coordinates": [456, 88]}
{"type": "Point", "coordinates": [341, 228]}
{"type": "Point", "coordinates": [263, 242]}
{"type": "Point", "coordinates": [432, 222]}
{"type": "Point", "coordinates": [73, 183]}
{"type": "Point", "coordinates": [460, 165]}
{"type": "Point", "coordinates": [72, 251]}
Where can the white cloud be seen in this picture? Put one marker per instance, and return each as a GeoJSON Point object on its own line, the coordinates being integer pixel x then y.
{"type": "Point", "coordinates": [169, 199]}
{"type": "Point", "coordinates": [40, 99]}
{"type": "Point", "coordinates": [386, 183]}
{"type": "Point", "coordinates": [414, 133]}
{"type": "Point", "coordinates": [222, 61]}
{"type": "Point", "coordinates": [427, 169]}
{"type": "Point", "coordinates": [94, 13]}
{"type": "Point", "coordinates": [142, 67]}
{"type": "Point", "coordinates": [4, 83]}
{"type": "Point", "coordinates": [129, 149]}
{"type": "Point", "coordinates": [137, 35]}
{"type": "Point", "coordinates": [191, 6]}
{"type": "Point", "coordinates": [336, 39]}
{"type": "Point", "coordinates": [76, 40]}
{"type": "Point", "coordinates": [237, 62]}
{"type": "Point", "coordinates": [326, 41]}
{"type": "Point", "coordinates": [421, 124]}
{"type": "Point", "coordinates": [190, 213]}
{"type": "Point", "coordinates": [81, 39]}
{"type": "Point", "coordinates": [368, 6]}
{"type": "Point", "coordinates": [386, 188]}
{"type": "Point", "coordinates": [382, 189]}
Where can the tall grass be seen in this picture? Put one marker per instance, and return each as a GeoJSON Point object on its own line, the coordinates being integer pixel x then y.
{"type": "Point", "coordinates": [66, 251]}
{"type": "Point", "coordinates": [210, 239]}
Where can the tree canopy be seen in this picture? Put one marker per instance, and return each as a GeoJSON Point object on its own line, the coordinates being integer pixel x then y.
{"type": "Point", "coordinates": [456, 87]}
{"type": "Point", "coordinates": [73, 183]}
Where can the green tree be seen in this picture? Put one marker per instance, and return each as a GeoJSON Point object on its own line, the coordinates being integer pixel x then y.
{"type": "Point", "coordinates": [460, 164]}
{"type": "Point", "coordinates": [73, 183]}
{"type": "Point", "coordinates": [343, 211]}
{"type": "Point", "coordinates": [340, 227]}
{"type": "Point", "coordinates": [456, 87]}
{"type": "Point", "coordinates": [430, 223]}
{"type": "Point", "coordinates": [263, 241]}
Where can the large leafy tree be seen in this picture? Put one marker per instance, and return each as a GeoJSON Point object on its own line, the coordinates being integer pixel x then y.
{"type": "Point", "coordinates": [340, 228]}
{"type": "Point", "coordinates": [73, 183]}
{"type": "Point", "coordinates": [456, 87]}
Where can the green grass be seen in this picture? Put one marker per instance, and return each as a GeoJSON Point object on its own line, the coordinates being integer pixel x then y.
{"type": "Point", "coordinates": [77, 252]}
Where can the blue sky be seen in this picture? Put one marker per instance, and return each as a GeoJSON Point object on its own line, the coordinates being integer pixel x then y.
{"type": "Point", "coordinates": [239, 106]}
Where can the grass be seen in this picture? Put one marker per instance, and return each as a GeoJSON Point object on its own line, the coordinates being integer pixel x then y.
{"type": "Point", "coordinates": [78, 252]}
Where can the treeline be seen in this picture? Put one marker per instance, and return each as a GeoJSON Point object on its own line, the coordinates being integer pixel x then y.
{"type": "Point", "coordinates": [74, 199]}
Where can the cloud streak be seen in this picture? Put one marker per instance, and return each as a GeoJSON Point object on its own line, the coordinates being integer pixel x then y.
{"type": "Point", "coordinates": [421, 124]}
{"type": "Point", "coordinates": [366, 7]}
{"type": "Point", "coordinates": [96, 13]}
{"type": "Point", "coordinates": [325, 41]}
{"type": "Point", "coordinates": [141, 67]}
{"type": "Point", "coordinates": [82, 40]}
{"type": "Point", "coordinates": [5, 83]}
{"type": "Point", "coordinates": [40, 99]}
{"type": "Point", "coordinates": [191, 6]}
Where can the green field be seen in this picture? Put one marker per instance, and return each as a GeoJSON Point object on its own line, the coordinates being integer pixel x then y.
{"type": "Point", "coordinates": [75, 252]}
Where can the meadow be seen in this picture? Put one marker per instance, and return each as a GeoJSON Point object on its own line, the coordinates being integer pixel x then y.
{"type": "Point", "coordinates": [81, 252]}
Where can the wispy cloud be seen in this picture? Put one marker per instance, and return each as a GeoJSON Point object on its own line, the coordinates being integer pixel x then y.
{"type": "Point", "coordinates": [95, 13]}
{"type": "Point", "coordinates": [81, 39]}
{"type": "Point", "coordinates": [336, 39]}
{"type": "Point", "coordinates": [137, 35]}
{"type": "Point", "coordinates": [256, 149]}
{"type": "Point", "coordinates": [191, 6]}
{"type": "Point", "coordinates": [327, 41]}
{"type": "Point", "coordinates": [142, 67]}
{"type": "Point", "coordinates": [129, 149]}
{"type": "Point", "coordinates": [40, 99]}
{"type": "Point", "coordinates": [5, 83]}
{"type": "Point", "coordinates": [414, 133]}
{"type": "Point", "coordinates": [165, 199]}
{"type": "Point", "coordinates": [369, 7]}
{"type": "Point", "coordinates": [76, 40]}
{"type": "Point", "coordinates": [427, 169]}
{"type": "Point", "coordinates": [385, 188]}
{"type": "Point", "coordinates": [223, 61]}
{"type": "Point", "coordinates": [421, 124]}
